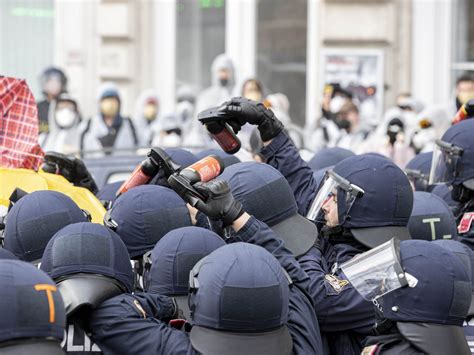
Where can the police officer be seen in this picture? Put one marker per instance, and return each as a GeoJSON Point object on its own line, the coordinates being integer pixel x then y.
{"type": "Point", "coordinates": [453, 163]}
{"type": "Point", "coordinates": [167, 266]}
{"type": "Point", "coordinates": [33, 316]}
{"type": "Point", "coordinates": [241, 302]}
{"type": "Point", "coordinates": [357, 210]}
{"type": "Point", "coordinates": [421, 293]}
{"type": "Point", "coordinates": [431, 218]}
{"type": "Point", "coordinates": [34, 219]}
{"type": "Point", "coordinates": [90, 264]}
{"type": "Point", "coordinates": [418, 171]}
{"type": "Point", "coordinates": [466, 255]}
{"type": "Point", "coordinates": [266, 195]}
{"type": "Point", "coordinates": [142, 216]}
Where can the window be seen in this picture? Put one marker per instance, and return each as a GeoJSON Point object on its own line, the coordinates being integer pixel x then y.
{"type": "Point", "coordinates": [26, 39]}
{"type": "Point", "coordinates": [200, 37]}
{"type": "Point", "coordinates": [281, 51]}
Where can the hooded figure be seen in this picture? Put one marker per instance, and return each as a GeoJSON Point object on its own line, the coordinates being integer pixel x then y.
{"type": "Point", "coordinates": [146, 117]}
{"type": "Point", "coordinates": [223, 80]}
{"type": "Point", "coordinates": [53, 82]}
{"type": "Point", "coordinates": [108, 130]}
{"type": "Point", "coordinates": [64, 120]}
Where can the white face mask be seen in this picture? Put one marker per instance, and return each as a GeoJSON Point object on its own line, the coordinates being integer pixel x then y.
{"type": "Point", "coordinates": [65, 117]}
{"type": "Point", "coordinates": [336, 103]}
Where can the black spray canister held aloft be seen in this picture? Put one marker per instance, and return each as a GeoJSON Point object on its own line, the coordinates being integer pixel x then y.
{"type": "Point", "coordinates": [219, 130]}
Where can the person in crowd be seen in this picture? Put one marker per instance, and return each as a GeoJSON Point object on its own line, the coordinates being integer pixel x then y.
{"type": "Point", "coordinates": [109, 130]}
{"type": "Point", "coordinates": [63, 132]}
{"type": "Point", "coordinates": [352, 133]}
{"type": "Point", "coordinates": [463, 92]}
{"type": "Point", "coordinates": [432, 123]}
{"type": "Point", "coordinates": [146, 117]}
{"type": "Point", "coordinates": [53, 83]}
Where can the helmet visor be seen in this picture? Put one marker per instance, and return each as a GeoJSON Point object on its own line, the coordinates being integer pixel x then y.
{"type": "Point", "coordinates": [377, 271]}
{"type": "Point", "coordinates": [336, 189]}
{"type": "Point", "coordinates": [444, 166]}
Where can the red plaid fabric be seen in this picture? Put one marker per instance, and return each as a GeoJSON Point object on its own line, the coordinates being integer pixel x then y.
{"type": "Point", "coordinates": [19, 146]}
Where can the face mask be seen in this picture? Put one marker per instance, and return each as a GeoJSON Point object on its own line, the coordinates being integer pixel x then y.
{"type": "Point", "coordinates": [149, 112]}
{"type": "Point", "coordinates": [253, 95]}
{"type": "Point", "coordinates": [109, 107]}
{"type": "Point", "coordinates": [65, 117]}
{"type": "Point", "coordinates": [223, 81]}
{"type": "Point", "coordinates": [465, 96]}
{"type": "Point", "coordinates": [336, 103]}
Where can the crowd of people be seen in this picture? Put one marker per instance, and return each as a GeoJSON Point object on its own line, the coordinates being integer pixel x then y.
{"type": "Point", "coordinates": [365, 248]}
{"type": "Point", "coordinates": [405, 129]}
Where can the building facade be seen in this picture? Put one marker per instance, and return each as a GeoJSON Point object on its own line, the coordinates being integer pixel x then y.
{"type": "Point", "coordinates": [419, 46]}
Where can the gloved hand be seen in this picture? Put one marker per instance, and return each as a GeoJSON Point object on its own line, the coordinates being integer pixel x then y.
{"type": "Point", "coordinates": [73, 170]}
{"type": "Point", "coordinates": [82, 177]}
{"type": "Point", "coordinates": [241, 110]}
{"type": "Point", "coordinates": [220, 203]}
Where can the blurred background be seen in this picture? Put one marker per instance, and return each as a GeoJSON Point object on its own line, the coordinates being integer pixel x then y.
{"type": "Point", "coordinates": [372, 53]}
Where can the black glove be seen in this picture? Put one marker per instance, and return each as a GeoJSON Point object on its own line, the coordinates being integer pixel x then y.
{"type": "Point", "coordinates": [241, 111]}
{"type": "Point", "coordinates": [220, 203]}
{"type": "Point", "coordinates": [73, 170]}
{"type": "Point", "coordinates": [82, 177]}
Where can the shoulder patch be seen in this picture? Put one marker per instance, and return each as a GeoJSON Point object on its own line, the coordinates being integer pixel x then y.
{"type": "Point", "coordinates": [465, 224]}
{"type": "Point", "coordinates": [336, 284]}
{"type": "Point", "coordinates": [370, 350]}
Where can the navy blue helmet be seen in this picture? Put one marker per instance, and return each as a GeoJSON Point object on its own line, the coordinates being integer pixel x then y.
{"type": "Point", "coordinates": [239, 298]}
{"type": "Point", "coordinates": [328, 157]}
{"type": "Point", "coordinates": [418, 171]}
{"type": "Point", "coordinates": [35, 218]}
{"type": "Point", "coordinates": [431, 218]}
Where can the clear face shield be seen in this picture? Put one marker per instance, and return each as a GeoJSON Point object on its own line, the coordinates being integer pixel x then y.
{"type": "Point", "coordinates": [444, 166]}
{"type": "Point", "coordinates": [334, 189]}
{"type": "Point", "coordinates": [377, 271]}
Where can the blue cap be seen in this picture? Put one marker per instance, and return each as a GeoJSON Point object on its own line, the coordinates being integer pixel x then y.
{"type": "Point", "coordinates": [460, 135]}
{"type": "Point", "coordinates": [431, 218]}
{"type": "Point", "coordinates": [266, 194]}
{"type": "Point", "coordinates": [88, 248]}
{"type": "Point", "coordinates": [31, 306]}
{"type": "Point", "coordinates": [329, 156]}
{"type": "Point", "coordinates": [227, 159]}
{"type": "Point", "coordinates": [174, 256]}
{"type": "Point", "coordinates": [418, 170]}
{"type": "Point", "coordinates": [145, 214]}
{"type": "Point", "coordinates": [239, 289]}
{"type": "Point", "coordinates": [442, 293]}
{"type": "Point", "coordinates": [387, 200]}
{"type": "Point", "coordinates": [109, 191]}
{"type": "Point", "coordinates": [35, 218]}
